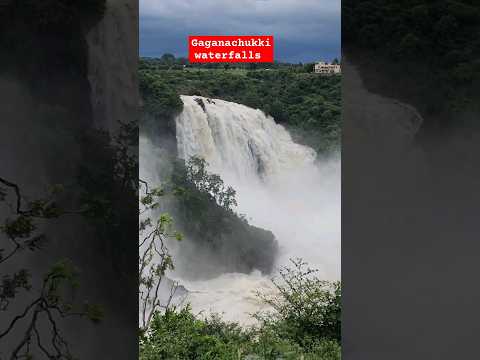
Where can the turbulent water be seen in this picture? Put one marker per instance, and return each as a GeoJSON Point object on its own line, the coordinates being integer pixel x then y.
{"type": "Point", "coordinates": [280, 187]}
{"type": "Point", "coordinates": [237, 140]}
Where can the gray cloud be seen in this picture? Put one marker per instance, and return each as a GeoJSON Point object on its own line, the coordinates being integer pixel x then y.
{"type": "Point", "coordinates": [304, 30]}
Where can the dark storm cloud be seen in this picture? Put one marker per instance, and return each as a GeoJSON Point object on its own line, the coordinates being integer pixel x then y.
{"type": "Point", "coordinates": [304, 30]}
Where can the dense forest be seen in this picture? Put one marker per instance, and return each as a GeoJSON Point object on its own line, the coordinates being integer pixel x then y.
{"type": "Point", "coordinates": [429, 49]}
{"type": "Point", "coordinates": [442, 34]}
{"type": "Point", "coordinates": [309, 105]}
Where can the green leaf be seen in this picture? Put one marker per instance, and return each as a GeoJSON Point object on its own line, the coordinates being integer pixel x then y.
{"type": "Point", "coordinates": [94, 312]}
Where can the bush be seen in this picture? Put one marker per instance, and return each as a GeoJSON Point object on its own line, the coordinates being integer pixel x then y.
{"type": "Point", "coordinates": [306, 308]}
{"type": "Point", "coordinates": [179, 335]}
{"type": "Point", "coordinates": [305, 322]}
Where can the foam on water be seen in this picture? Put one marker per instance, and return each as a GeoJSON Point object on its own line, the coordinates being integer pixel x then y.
{"type": "Point", "coordinates": [280, 187]}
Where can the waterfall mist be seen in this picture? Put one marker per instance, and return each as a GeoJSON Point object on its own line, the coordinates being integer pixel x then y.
{"type": "Point", "coordinates": [281, 187]}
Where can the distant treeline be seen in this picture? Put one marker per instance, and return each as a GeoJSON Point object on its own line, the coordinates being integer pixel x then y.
{"type": "Point", "coordinates": [170, 62]}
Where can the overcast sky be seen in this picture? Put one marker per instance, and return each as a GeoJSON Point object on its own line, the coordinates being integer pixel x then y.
{"type": "Point", "coordinates": [304, 30]}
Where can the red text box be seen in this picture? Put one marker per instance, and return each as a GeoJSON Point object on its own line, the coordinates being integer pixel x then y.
{"type": "Point", "coordinates": [230, 49]}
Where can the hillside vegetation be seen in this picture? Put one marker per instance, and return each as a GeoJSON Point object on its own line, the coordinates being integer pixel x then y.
{"type": "Point", "coordinates": [430, 50]}
{"type": "Point", "coordinates": [309, 105]}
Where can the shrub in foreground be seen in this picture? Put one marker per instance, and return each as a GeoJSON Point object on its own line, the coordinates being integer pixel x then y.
{"type": "Point", "coordinates": [304, 323]}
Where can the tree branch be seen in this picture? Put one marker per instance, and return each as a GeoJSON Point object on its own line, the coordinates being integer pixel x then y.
{"type": "Point", "coordinates": [18, 317]}
{"type": "Point", "coordinates": [17, 193]}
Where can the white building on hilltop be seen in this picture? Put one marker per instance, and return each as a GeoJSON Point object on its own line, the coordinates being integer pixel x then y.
{"type": "Point", "coordinates": [324, 68]}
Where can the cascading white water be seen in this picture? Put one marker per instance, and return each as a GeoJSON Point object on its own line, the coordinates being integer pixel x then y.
{"type": "Point", "coordinates": [280, 187]}
{"type": "Point", "coordinates": [236, 139]}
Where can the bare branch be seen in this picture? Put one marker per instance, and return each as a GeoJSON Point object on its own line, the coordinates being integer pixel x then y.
{"type": "Point", "coordinates": [16, 188]}
{"type": "Point", "coordinates": [18, 317]}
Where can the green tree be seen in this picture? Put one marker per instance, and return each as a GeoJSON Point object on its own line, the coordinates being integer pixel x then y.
{"type": "Point", "coordinates": [48, 300]}
{"type": "Point", "coordinates": [179, 334]}
{"type": "Point", "coordinates": [168, 59]}
{"type": "Point", "coordinates": [306, 308]}
{"type": "Point", "coordinates": [154, 259]}
{"type": "Point", "coordinates": [309, 67]}
{"type": "Point", "coordinates": [210, 184]}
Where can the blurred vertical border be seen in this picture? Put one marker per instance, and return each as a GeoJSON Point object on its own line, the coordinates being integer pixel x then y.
{"type": "Point", "coordinates": [68, 179]}
{"type": "Point", "coordinates": [410, 178]}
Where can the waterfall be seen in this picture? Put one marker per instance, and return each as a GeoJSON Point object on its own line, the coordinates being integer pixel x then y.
{"type": "Point", "coordinates": [238, 140]}
{"type": "Point", "coordinates": [280, 185]}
